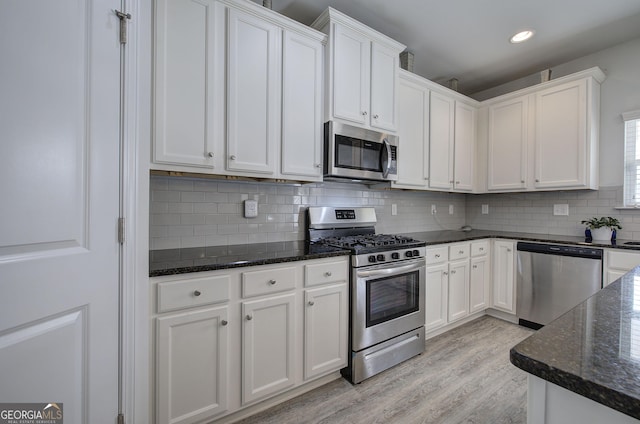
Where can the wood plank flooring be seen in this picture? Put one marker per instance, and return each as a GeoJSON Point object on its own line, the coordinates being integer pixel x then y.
{"type": "Point", "coordinates": [464, 376]}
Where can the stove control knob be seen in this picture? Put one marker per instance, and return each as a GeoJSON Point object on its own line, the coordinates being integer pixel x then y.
{"type": "Point", "coordinates": [395, 255]}
{"type": "Point", "coordinates": [372, 258]}
{"type": "Point", "coordinates": [416, 253]}
{"type": "Point", "coordinates": [380, 258]}
{"type": "Point", "coordinates": [408, 254]}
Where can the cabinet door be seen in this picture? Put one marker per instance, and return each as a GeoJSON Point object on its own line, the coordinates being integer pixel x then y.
{"type": "Point", "coordinates": [413, 130]}
{"type": "Point", "coordinates": [191, 370]}
{"type": "Point", "coordinates": [325, 337]}
{"type": "Point", "coordinates": [504, 276]}
{"type": "Point", "coordinates": [458, 290]}
{"type": "Point", "coordinates": [441, 142]}
{"type": "Point", "coordinates": [254, 93]}
{"type": "Point", "coordinates": [189, 82]}
{"type": "Point", "coordinates": [464, 146]}
{"type": "Point", "coordinates": [436, 296]}
{"type": "Point", "coordinates": [479, 278]}
{"type": "Point", "coordinates": [302, 106]}
{"type": "Point", "coordinates": [351, 74]}
{"type": "Point", "coordinates": [268, 346]}
{"type": "Point", "coordinates": [561, 136]}
{"type": "Point", "coordinates": [384, 86]}
{"type": "Point", "coordinates": [508, 144]}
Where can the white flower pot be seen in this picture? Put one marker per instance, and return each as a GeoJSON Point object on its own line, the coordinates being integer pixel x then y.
{"type": "Point", "coordinates": [601, 234]}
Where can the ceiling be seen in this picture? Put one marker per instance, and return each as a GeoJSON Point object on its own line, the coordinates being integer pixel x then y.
{"type": "Point", "coordinates": [469, 39]}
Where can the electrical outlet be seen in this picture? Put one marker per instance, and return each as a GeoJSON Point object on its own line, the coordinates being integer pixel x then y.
{"type": "Point", "coordinates": [433, 209]}
{"type": "Point", "coordinates": [250, 208]}
{"type": "Point", "coordinates": [561, 209]}
{"type": "Point", "coordinates": [450, 209]}
{"type": "Point", "coordinates": [485, 209]}
{"type": "Point", "coordinates": [394, 209]}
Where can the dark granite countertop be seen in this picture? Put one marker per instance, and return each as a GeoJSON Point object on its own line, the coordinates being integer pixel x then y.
{"type": "Point", "coordinates": [592, 350]}
{"type": "Point", "coordinates": [198, 259]}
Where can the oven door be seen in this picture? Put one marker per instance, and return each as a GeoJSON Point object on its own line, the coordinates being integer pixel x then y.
{"type": "Point", "coordinates": [388, 300]}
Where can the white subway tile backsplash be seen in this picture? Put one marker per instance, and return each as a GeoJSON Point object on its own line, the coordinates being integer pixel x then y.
{"type": "Point", "coordinates": [193, 212]}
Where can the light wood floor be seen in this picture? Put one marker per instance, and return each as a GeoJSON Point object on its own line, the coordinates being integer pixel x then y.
{"type": "Point", "coordinates": [464, 376]}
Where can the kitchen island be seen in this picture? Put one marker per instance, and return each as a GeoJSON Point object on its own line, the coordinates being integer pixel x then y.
{"type": "Point", "coordinates": [585, 366]}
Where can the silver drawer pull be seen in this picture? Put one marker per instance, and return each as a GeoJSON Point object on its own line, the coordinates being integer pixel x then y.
{"type": "Point", "coordinates": [481, 249]}
{"type": "Point", "coordinates": [445, 273]}
{"type": "Point", "coordinates": [224, 322]}
{"type": "Point", "coordinates": [197, 293]}
{"type": "Point", "coordinates": [437, 255]}
{"type": "Point", "coordinates": [327, 274]}
{"type": "Point", "coordinates": [453, 271]}
{"type": "Point", "coordinates": [475, 267]}
{"type": "Point", "coordinates": [460, 252]}
{"type": "Point", "coordinates": [311, 303]}
{"type": "Point", "coordinates": [272, 282]}
{"type": "Point", "coordinates": [249, 317]}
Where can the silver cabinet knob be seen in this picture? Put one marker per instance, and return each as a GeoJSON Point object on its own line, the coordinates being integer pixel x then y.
{"type": "Point", "coordinates": [375, 116]}
{"type": "Point", "coordinates": [453, 271]}
{"type": "Point", "coordinates": [460, 252]}
{"type": "Point", "coordinates": [481, 249]}
{"type": "Point", "coordinates": [508, 250]}
{"type": "Point", "coordinates": [210, 154]}
{"type": "Point", "coordinates": [451, 182]}
{"type": "Point", "coordinates": [197, 293]}
{"type": "Point", "coordinates": [249, 317]}
{"type": "Point", "coordinates": [318, 165]}
{"type": "Point", "coordinates": [445, 273]}
{"type": "Point", "coordinates": [272, 282]}
{"type": "Point", "coordinates": [364, 113]}
{"type": "Point", "coordinates": [522, 181]}
{"type": "Point", "coordinates": [437, 255]}
{"type": "Point", "coordinates": [457, 182]}
{"type": "Point", "coordinates": [475, 267]}
{"type": "Point", "coordinates": [232, 157]}
{"type": "Point", "coordinates": [327, 274]}
{"type": "Point", "coordinates": [537, 180]}
{"type": "Point", "coordinates": [311, 303]}
{"type": "Point", "coordinates": [224, 322]}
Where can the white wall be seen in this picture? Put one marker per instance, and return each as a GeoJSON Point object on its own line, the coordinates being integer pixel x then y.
{"type": "Point", "coordinates": [620, 93]}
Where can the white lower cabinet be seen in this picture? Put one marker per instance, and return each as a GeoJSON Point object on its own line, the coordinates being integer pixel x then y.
{"type": "Point", "coordinates": [228, 339]}
{"type": "Point", "coordinates": [618, 263]}
{"type": "Point", "coordinates": [192, 364]}
{"type": "Point", "coordinates": [325, 317]}
{"type": "Point", "coordinates": [504, 281]}
{"type": "Point", "coordinates": [458, 290]}
{"type": "Point", "coordinates": [268, 346]}
{"type": "Point", "coordinates": [436, 296]}
{"type": "Point", "coordinates": [479, 276]}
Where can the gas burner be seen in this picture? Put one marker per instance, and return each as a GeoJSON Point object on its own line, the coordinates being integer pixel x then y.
{"type": "Point", "coordinates": [368, 241]}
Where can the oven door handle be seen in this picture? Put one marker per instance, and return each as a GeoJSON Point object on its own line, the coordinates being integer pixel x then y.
{"type": "Point", "coordinates": [390, 271]}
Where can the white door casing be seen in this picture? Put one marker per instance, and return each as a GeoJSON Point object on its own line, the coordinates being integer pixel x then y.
{"type": "Point", "coordinates": [59, 165]}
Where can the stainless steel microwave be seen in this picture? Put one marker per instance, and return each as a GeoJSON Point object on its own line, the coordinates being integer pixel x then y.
{"type": "Point", "coordinates": [359, 154]}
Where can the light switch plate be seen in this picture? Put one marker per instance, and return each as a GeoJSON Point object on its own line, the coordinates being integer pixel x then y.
{"type": "Point", "coordinates": [485, 209]}
{"type": "Point", "coordinates": [250, 208]}
{"type": "Point", "coordinates": [394, 209]}
{"type": "Point", "coordinates": [451, 209]}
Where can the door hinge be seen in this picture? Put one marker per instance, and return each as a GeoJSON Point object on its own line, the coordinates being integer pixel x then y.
{"type": "Point", "coordinates": [121, 230]}
{"type": "Point", "coordinates": [123, 25]}
{"type": "Point", "coordinates": [120, 419]}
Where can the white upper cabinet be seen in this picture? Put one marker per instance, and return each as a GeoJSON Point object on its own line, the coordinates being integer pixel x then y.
{"type": "Point", "coordinates": [253, 86]}
{"type": "Point", "coordinates": [507, 144]}
{"type": "Point", "coordinates": [464, 147]}
{"type": "Point", "coordinates": [302, 106]}
{"type": "Point", "coordinates": [562, 142]}
{"type": "Point", "coordinates": [413, 130]}
{"type": "Point", "coordinates": [362, 73]}
{"type": "Point", "coordinates": [189, 83]}
{"type": "Point", "coordinates": [238, 91]}
{"type": "Point", "coordinates": [441, 132]}
{"type": "Point", "coordinates": [546, 137]}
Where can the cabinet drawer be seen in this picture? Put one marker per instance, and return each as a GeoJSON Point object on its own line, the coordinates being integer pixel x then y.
{"type": "Point", "coordinates": [458, 251]}
{"type": "Point", "coordinates": [276, 280]}
{"type": "Point", "coordinates": [623, 260]}
{"type": "Point", "coordinates": [173, 295]}
{"type": "Point", "coordinates": [479, 248]}
{"type": "Point", "coordinates": [437, 255]}
{"type": "Point", "coordinates": [328, 272]}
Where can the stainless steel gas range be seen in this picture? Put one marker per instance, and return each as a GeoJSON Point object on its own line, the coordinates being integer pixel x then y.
{"type": "Point", "coordinates": [387, 288]}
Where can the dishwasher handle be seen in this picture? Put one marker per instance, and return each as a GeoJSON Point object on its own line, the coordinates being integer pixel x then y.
{"type": "Point", "coordinates": [561, 250]}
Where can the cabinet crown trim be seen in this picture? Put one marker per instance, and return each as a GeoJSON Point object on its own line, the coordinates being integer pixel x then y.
{"type": "Point", "coordinates": [333, 15]}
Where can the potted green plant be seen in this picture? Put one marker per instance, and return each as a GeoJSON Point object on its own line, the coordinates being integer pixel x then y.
{"type": "Point", "coordinates": [602, 228]}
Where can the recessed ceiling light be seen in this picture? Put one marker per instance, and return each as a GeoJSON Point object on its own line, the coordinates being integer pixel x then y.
{"type": "Point", "coordinates": [521, 36]}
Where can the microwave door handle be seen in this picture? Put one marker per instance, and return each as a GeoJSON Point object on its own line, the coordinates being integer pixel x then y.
{"type": "Point", "coordinates": [386, 159]}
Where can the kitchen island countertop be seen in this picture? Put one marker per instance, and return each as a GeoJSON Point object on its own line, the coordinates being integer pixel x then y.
{"type": "Point", "coordinates": [592, 350]}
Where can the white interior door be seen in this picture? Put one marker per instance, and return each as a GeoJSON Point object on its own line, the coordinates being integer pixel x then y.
{"type": "Point", "coordinates": [59, 161]}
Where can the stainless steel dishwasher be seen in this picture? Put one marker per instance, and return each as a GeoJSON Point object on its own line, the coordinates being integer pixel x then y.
{"type": "Point", "coordinates": [552, 279]}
